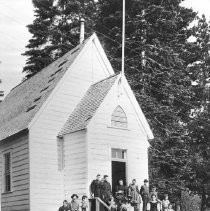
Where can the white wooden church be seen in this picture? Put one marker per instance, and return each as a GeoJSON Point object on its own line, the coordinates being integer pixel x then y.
{"type": "Point", "coordinates": [66, 124]}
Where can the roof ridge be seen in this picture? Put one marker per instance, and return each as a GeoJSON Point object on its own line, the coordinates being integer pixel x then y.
{"type": "Point", "coordinates": [116, 74]}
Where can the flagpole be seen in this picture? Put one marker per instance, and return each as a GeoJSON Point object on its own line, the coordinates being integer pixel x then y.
{"type": "Point", "coordinates": [123, 39]}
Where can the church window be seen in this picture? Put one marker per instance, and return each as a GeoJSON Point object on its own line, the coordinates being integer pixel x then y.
{"type": "Point", "coordinates": [7, 172]}
{"type": "Point", "coordinates": [119, 119]}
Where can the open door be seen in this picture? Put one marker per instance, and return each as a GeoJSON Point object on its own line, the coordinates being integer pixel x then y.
{"type": "Point", "coordinates": [118, 172]}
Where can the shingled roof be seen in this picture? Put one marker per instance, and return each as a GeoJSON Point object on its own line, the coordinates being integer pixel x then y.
{"type": "Point", "coordinates": [22, 103]}
{"type": "Point", "coordinates": [88, 105]}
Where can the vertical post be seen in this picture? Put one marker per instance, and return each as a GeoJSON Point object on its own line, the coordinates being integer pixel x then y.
{"type": "Point", "coordinates": [123, 39]}
{"type": "Point", "coordinates": [82, 30]}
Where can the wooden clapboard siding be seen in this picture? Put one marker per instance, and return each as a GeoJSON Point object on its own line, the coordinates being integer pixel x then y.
{"type": "Point", "coordinates": [47, 182]}
{"type": "Point", "coordinates": [102, 137]}
{"type": "Point", "coordinates": [18, 198]}
{"type": "Point", "coordinates": [75, 159]}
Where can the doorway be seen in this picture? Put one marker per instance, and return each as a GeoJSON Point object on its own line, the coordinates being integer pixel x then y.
{"type": "Point", "coordinates": [118, 172]}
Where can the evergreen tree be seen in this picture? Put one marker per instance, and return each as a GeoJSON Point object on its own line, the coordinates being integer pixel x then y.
{"type": "Point", "coordinates": [160, 64]}
{"type": "Point", "coordinates": [162, 83]}
{"type": "Point", "coordinates": [55, 31]}
{"type": "Point", "coordinates": [199, 126]}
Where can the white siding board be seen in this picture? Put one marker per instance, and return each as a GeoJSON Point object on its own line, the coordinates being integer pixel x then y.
{"type": "Point", "coordinates": [18, 199]}
{"type": "Point", "coordinates": [75, 171]}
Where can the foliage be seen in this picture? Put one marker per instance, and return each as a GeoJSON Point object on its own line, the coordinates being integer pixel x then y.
{"type": "Point", "coordinates": [55, 31]}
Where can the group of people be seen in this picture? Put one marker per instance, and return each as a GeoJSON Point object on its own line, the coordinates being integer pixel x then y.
{"type": "Point", "coordinates": [122, 198]}
{"type": "Point", "coordinates": [74, 205]}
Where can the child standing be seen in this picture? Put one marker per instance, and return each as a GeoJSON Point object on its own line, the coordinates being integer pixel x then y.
{"type": "Point", "coordinates": [165, 203]}
{"type": "Point", "coordinates": [84, 203]}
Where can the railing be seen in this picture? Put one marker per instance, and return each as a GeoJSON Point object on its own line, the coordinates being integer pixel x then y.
{"type": "Point", "coordinates": [96, 204]}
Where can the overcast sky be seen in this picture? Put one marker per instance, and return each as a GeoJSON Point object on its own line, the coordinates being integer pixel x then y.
{"type": "Point", "coordinates": [14, 36]}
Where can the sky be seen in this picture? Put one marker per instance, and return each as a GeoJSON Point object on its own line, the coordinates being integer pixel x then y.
{"type": "Point", "coordinates": [15, 15]}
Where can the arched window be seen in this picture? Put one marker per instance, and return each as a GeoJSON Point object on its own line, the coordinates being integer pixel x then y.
{"type": "Point", "coordinates": [119, 118]}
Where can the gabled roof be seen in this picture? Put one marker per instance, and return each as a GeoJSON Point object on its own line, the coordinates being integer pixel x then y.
{"type": "Point", "coordinates": [23, 102]}
{"type": "Point", "coordinates": [88, 105]}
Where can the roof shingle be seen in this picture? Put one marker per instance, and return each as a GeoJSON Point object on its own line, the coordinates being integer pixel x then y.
{"type": "Point", "coordinates": [22, 103]}
{"type": "Point", "coordinates": [88, 105]}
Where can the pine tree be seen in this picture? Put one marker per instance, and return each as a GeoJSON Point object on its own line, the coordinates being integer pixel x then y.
{"type": "Point", "coordinates": [199, 126]}
{"type": "Point", "coordinates": [55, 31]}
{"type": "Point", "coordinates": [161, 64]}
{"type": "Point", "coordinates": [162, 85]}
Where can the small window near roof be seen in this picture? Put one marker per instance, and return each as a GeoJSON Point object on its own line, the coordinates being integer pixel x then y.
{"type": "Point", "coordinates": [7, 172]}
{"type": "Point", "coordinates": [119, 119]}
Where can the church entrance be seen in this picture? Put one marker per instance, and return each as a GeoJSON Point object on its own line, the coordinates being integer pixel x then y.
{"type": "Point", "coordinates": [118, 167]}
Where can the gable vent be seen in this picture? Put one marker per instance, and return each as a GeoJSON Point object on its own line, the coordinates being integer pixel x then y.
{"type": "Point", "coordinates": [119, 118]}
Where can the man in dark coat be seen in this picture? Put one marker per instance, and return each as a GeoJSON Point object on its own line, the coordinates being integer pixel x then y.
{"type": "Point", "coordinates": [95, 187]}
{"type": "Point", "coordinates": [106, 189]}
{"type": "Point", "coordinates": [65, 206]}
{"type": "Point", "coordinates": [144, 191]}
{"type": "Point", "coordinates": [121, 189]}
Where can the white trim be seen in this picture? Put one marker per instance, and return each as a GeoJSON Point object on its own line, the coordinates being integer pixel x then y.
{"type": "Point", "coordinates": [140, 114]}
{"type": "Point", "coordinates": [102, 53]}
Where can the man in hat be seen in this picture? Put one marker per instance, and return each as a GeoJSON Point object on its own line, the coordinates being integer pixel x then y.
{"type": "Point", "coordinates": [106, 189]}
{"type": "Point", "coordinates": [74, 205]}
{"type": "Point", "coordinates": [144, 191]}
{"type": "Point", "coordinates": [95, 187]}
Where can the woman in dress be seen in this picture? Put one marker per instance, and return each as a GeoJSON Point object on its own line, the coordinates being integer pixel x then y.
{"type": "Point", "coordinates": [153, 205]}
{"type": "Point", "coordinates": [133, 191]}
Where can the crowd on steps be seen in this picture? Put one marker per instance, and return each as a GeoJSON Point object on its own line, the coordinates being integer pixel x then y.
{"type": "Point", "coordinates": [121, 197]}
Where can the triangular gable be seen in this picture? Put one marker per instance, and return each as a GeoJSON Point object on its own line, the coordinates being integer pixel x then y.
{"type": "Point", "coordinates": [85, 110]}
{"type": "Point", "coordinates": [22, 105]}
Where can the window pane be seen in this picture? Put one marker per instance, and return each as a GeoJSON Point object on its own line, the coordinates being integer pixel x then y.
{"type": "Point", "coordinates": [119, 118]}
{"type": "Point", "coordinates": [7, 172]}
{"type": "Point", "coordinates": [7, 183]}
{"type": "Point", "coordinates": [7, 162]}
{"type": "Point", "coordinates": [119, 153]}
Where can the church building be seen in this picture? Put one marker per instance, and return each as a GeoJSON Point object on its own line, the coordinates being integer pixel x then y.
{"type": "Point", "coordinates": [60, 128]}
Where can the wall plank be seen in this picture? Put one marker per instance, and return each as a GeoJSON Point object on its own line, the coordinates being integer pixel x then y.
{"type": "Point", "coordinates": [18, 199]}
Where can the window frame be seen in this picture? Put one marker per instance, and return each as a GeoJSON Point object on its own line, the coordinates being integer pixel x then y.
{"type": "Point", "coordinates": [4, 187]}
{"type": "Point", "coordinates": [117, 158]}
{"type": "Point", "coordinates": [110, 125]}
